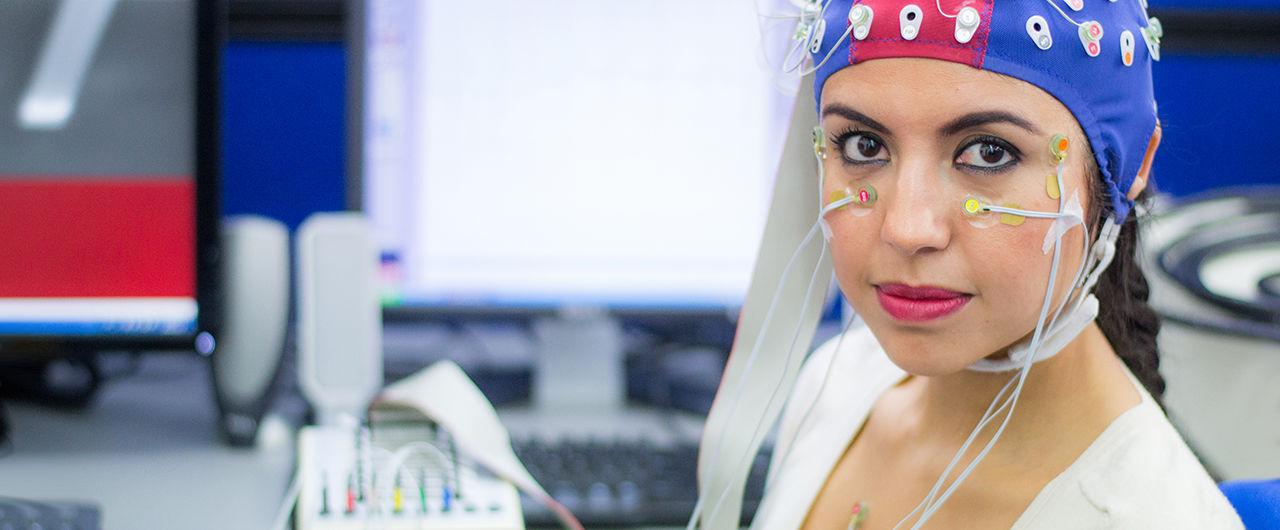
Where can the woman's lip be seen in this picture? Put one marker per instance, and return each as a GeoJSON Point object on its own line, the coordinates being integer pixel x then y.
{"type": "Point", "coordinates": [919, 304]}
{"type": "Point", "coordinates": [926, 292]}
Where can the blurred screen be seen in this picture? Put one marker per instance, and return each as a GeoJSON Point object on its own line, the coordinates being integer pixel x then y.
{"type": "Point", "coordinates": [97, 194]}
{"type": "Point", "coordinates": [567, 152]}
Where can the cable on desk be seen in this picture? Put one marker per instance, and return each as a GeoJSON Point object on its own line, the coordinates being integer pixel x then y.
{"type": "Point", "coordinates": [286, 506]}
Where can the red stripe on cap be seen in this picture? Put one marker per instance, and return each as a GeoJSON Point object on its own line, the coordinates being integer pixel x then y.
{"type": "Point", "coordinates": [936, 38]}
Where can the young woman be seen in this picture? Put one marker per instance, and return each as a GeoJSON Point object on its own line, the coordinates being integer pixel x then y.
{"type": "Point", "coordinates": [978, 168]}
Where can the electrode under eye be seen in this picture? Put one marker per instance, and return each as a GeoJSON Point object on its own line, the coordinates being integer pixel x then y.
{"type": "Point", "coordinates": [861, 199]}
{"type": "Point", "coordinates": [979, 213]}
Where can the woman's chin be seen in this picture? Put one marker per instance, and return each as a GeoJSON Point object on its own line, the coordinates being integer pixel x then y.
{"type": "Point", "coordinates": [925, 363]}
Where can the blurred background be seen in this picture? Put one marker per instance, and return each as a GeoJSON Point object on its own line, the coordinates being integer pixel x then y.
{"type": "Point", "coordinates": [300, 125]}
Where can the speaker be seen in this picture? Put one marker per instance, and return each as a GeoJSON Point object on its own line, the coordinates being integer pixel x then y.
{"type": "Point", "coordinates": [339, 316]}
{"type": "Point", "coordinates": [246, 359]}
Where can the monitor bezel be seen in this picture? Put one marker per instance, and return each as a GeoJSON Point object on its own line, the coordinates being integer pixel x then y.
{"type": "Point", "coordinates": [210, 37]}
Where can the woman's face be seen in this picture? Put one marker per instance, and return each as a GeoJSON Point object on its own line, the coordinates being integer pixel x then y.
{"type": "Point", "coordinates": [938, 288]}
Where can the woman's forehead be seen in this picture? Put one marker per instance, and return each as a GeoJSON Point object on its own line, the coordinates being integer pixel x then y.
{"type": "Point", "coordinates": [932, 91]}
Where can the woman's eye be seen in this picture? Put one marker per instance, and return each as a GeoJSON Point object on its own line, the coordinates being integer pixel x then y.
{"type": "Point", "coordinates": [985, 155]}
{"type": "Point", "coordinates": [863, 148]}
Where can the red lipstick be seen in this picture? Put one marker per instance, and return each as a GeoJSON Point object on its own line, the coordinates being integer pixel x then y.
{"type": "Point", "coordinates": [919, 304]}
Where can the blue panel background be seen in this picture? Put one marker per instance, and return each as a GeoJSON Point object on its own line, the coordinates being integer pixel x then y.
{"type": "Point", "coordinates": [1219, 114]}
{"type": "Point", "coordinates": [283, 129]}
{"type": "Point", "coordinates": [1215, 5]}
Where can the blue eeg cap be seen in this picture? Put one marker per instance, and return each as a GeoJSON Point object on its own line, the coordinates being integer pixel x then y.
{"type": "Point", "coordinates": [1110, 97]}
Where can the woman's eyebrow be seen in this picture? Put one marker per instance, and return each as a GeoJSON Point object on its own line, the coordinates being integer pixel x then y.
{"type": "Point", "coordinates": [982, 118]}
{"type": "Point", "coordinates": [848, 113]}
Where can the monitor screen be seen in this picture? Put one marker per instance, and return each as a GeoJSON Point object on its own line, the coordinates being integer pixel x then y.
{"type": "Point", "coordinates": [98, 172]}
{"type": "Point", "coordinates": [566, 153]}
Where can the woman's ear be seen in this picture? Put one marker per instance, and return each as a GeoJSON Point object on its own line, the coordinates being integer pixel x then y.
{"type": "Point", "coordinates": [1140, 181]}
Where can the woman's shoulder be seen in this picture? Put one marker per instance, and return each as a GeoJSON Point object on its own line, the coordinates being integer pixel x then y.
{"type": "Point", "coordinates": [1138, 473]}
{"type": "Point", "coordinates": [853, 358]}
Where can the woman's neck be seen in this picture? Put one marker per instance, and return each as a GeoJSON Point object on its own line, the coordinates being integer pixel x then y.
{"type": "Point", "coordinates": [1080, 390]}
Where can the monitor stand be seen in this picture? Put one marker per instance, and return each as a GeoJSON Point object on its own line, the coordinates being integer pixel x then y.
{"type": "Point", "coordinates": [580, 367]}
{"type": "Point", "coordinates": [579, 387]}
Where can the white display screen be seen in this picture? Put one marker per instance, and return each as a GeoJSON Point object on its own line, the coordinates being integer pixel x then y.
{"type": "Point", "coordinates": [567, 152]}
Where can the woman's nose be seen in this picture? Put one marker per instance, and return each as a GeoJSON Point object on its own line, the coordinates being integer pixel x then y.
{"type": "Point", "coordinates": [916, 218]}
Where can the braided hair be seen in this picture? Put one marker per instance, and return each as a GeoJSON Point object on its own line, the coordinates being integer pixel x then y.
{"type": "Point", "coordinates": [1127, 320]}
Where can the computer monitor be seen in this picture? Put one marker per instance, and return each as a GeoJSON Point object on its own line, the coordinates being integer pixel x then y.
{"type": "Point", "coordinates": [108, 175]}
{"type": "Point", "coordinates": [562, 154]}
{"type": "Point", "coordinates": [580, 164]}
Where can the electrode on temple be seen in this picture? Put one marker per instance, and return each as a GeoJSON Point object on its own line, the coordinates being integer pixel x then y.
{"type": "Point", "coordinates": [1058, 146]}
{"type": "Point", "coordinates": [819, 144]}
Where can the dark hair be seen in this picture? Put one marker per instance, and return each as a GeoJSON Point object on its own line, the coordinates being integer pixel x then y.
{"type": "Point", "coordinates": [1128, 322]}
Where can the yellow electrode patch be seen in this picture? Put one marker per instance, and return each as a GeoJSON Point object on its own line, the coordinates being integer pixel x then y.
{"type": "Point", "coordinates": [835, 196]}
{"type": "Point", "coordinates": [1011, 219]}
{"type": "Point", "coordinates": [1051, 186]}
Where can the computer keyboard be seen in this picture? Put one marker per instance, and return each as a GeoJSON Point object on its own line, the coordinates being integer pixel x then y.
{"type": "Point", "coordinates": [48, 515]}
{"type": "Point", "coordinates": [622, 483]}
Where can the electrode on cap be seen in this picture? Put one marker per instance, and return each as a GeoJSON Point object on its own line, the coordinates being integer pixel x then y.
{"type": "Point", "coordinates": [860, 17]}
{"type": "Point", "coordinates": [819, 30]}
{"type": "Point", "coordinates": [1151, 35]}
{"type": "Point", "coordinates": [1126, 47]}
{"type": "Point", "coordinates": [1038, 29]}
{"type": "Point", "coordinates": [909, 21]}
{"type": "Point", "coordinates": [967, 24]}
{"type": "Point", "coordinates": [1090, 35]}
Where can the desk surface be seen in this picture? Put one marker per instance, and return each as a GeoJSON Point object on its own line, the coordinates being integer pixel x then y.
{"type": "Point", "coordinates": [147, 452]}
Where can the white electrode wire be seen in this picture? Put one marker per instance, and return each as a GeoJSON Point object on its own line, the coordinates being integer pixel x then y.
{"type": "Point", "coordinates": [944, 13]}
{"type": "Point", "coordinates": [1074, 295]}
{"type": "Point", "coordinates": [751, 359]}
{"type": "Point", "coordinates": [931, 506]}
{"type": "Point", "coordinates": [803, 45]}
{"type": "Point", "coordinates": [1036, 342]}
{"type": "Point", "coordinates": [991, 412]}
{"type": "Point", "coordinates": [396, 461]}
{"type": "Point", "coordinates": [761, 429]}
{"type": "Point", "coordinates": [830, 52]}
{"type": "Point", "coordinates": [1081, 272]}
{"type": "Point", "coordinates": [1023, 213]}
{"type": "Point", "coordinates": [764, 32]}
{"type": "Point", "coordinates": [1061, 12]}
{"type": "Point", "coordinates": [822, 387]}
{"type": "Point", "coordinates": [286, 507]}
